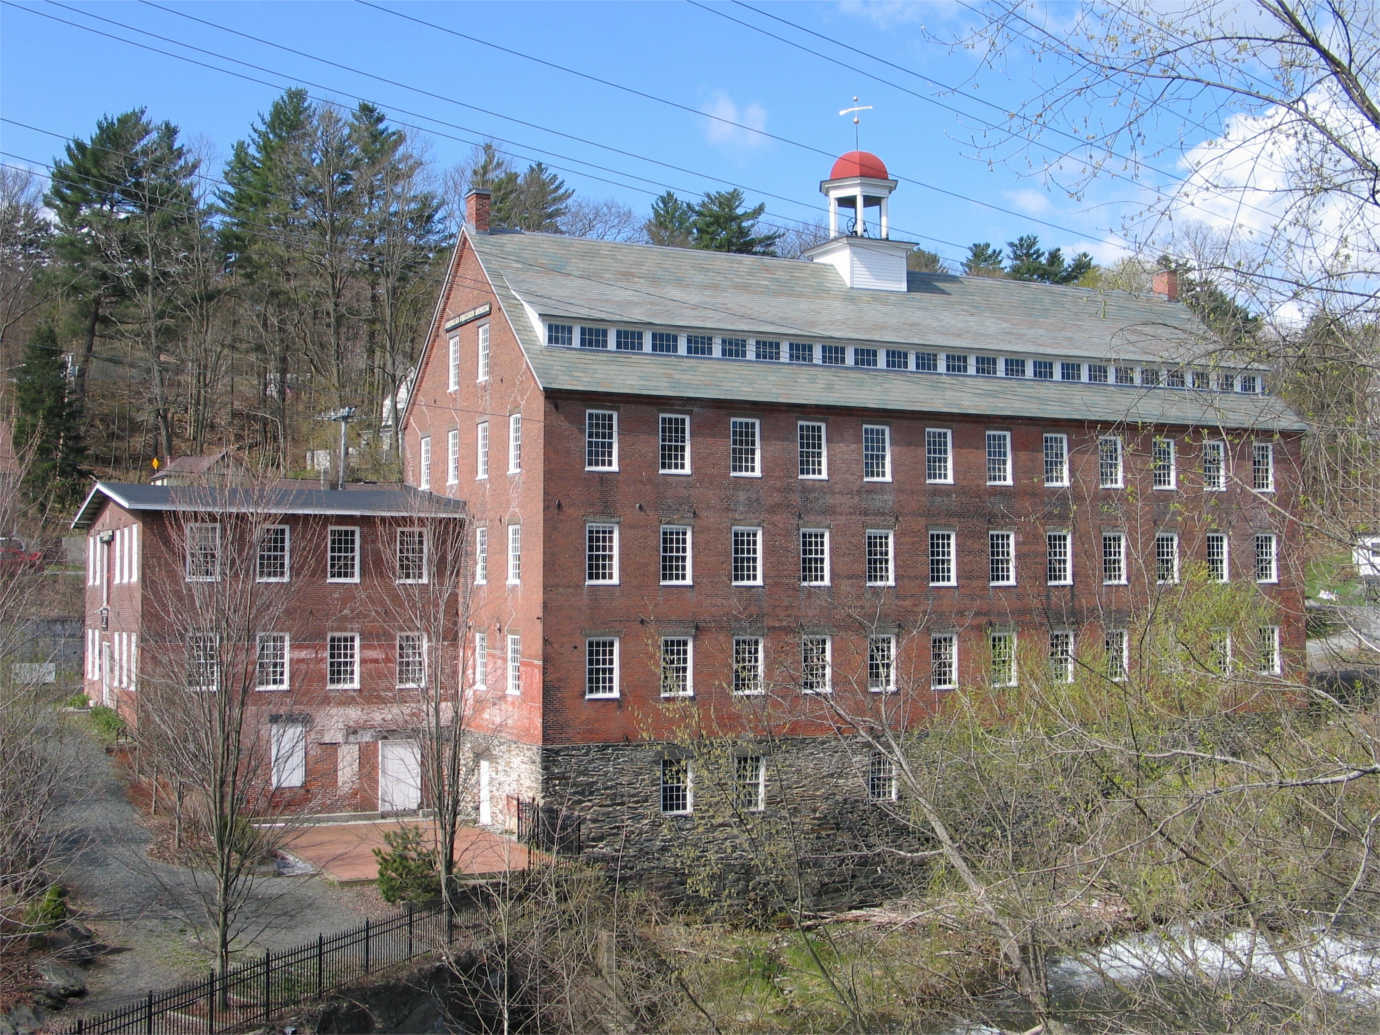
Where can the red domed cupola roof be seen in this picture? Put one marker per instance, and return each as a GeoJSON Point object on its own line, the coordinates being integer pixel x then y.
{"type": "Point", "coordinates": [859, 163]}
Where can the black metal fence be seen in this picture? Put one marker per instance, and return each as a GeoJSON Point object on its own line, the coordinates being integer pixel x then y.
{"type": "Point", "coordinates": [549, 828]}
{"type": "Point", "coordinates": [253, 991]}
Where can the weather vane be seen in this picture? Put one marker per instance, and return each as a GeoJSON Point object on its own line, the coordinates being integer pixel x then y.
{"type": "Point", "coordinates": [856, 119]}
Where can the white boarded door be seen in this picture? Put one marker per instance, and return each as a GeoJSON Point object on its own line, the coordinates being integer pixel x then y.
{"type": "Point", "coordinates": [400, 776]}
{"type": "Point", "coordinates": [485, 812]}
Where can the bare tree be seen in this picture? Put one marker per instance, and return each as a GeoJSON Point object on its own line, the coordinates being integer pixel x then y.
{"type": "Point", "coordinates": [24, 250]}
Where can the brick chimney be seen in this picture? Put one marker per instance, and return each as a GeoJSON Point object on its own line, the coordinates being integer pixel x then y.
{"type": "Point", "coordinates": [1166, 284]}
{"type": "Point", "coordinates": [477, 210]}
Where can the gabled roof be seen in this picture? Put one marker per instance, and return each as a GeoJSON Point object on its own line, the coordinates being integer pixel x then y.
{"type": "Point", "coordinates": [285, 497]}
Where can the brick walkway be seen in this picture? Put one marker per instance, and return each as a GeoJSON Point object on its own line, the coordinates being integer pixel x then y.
{"type": "Point", "coordinates": [343, 852]}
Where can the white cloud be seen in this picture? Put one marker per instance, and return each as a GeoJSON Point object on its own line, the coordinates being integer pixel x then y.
{"type": "Point", "coordinates": [1031, 202]}
{"type": "Point", "coordinates": [887, 14]}
{"type": "Point", "coordinates": [731, 125]}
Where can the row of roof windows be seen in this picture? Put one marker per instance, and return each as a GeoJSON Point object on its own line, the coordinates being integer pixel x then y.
{"type": "Point", "coordinates": [769, 350]}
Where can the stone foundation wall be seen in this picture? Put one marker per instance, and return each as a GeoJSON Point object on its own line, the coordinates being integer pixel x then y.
{"type": "Point", "coordinates": [515, 773]}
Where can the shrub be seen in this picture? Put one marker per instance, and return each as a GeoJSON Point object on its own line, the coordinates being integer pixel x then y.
{"type": "Point", "coordinates": [107, 724]}
{"type": "Point", "coordinates": [77, 700]}
{"type": "Point", "coordinates": [48, 912]}
{"type": "Point", "coordinates": [407, 868]}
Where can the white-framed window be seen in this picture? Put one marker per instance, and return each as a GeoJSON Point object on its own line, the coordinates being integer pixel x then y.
{"type": "Point", "coordinates": [673, 439]}
{"type": "Point", "coordinates": [1266, 557]}
{"type": "Point", "coordinates": [677, 793]}
{"type": "Point", "coordinates": [1162, 467]}
{"type": "Point", "coordinates": [1113, 558]}
{"type": "Point", "coordinates": [881, 663]}
{"type": "Point", "coordinates": [601, 440]}
{"type": "Point", "coordinates": [939, 459]}
{"type": "Point", "coordinates": [1111, 472]}
{"type": "Point", "coordinates": [627, 339]}
{"type": "Point", "coordinates": [453, 364]}
{"type": "Point", "coordinates": [677, 666]}
{"type": "Point", "coordinates": [411, 660]}
{"type": "Point", "coordinates": [342, 554]}
{"type": "Point", "coordinates": [1166, 558]}
{"type": "Point", "coordinates": [424, 463]}
{"type": "Point", "coordinates": [453, 455]}
{"type": "Point", "coordinates": [481, 660]}
{"type": "Point", "coordinates": [481, 450]}
{"type": "Point", "coordinates": [747, 556]}
{"type": "Point", "coordinates": [1117, 644]}
{"type": "Point", "coordinates": [1263, 466]}
{"type": "Point", "coordinates": [481, 366]}
{"type": "Point", "coordinates": [412, 555]}
{"type": "Point", "coordinates": [512, 683]}
{"type": "Point", "coordinates": [1217, 557]}
{"type": "Point", "coordinates": [1001, 645]}
{"type": "Point", "coordinates": [750, 782]}
{"type": "Point", "coordinates": [876, 453]}
{"type": "Point", "coordinates": [514, 443]}
{"type": "Point", "coordinates": [1056, 449]}
{"type": "Point", "coordinates": [880, 547]}
{"type": "Point", "coordinates": [811, 450]}
{"type": "Point", "coordinates": [745, 460]}
{"type": "Point", "coordinates": [1219, 652]}
{"type": "Point", "coordinates": [203, 552]}
{"type": "Point", "coordinates": [942, 572]}
{"type": "Point", "coordinates": [943, 661]}
{"type": "Point", "coordinates": [816, 664]}
{"type": "Point", "coordinates": [287, 740]}
{"type": "Point", "coordinates": [1001, 558]}
{"type": "Point", "coordinates": [676, 564]}
{"type": "Point", "coordinates": [271, 659]}
{"type": "Point", "coordinates": [601, 554]}
{"type": "Point", "coordinates": [1061, 655]}
{"type": "Point", "coordinates": [999, 458]}
{"type": "Point", "coordinates": [1214, 465]}
{"type": "Point", "coordinates": [881, 777]}
{"type": "Point", "coordinates": [481, 556]}
{"type": "Point", "coordinates": [342, 661]}
{"type": "Point", "coordinates": [814, 557]}
{"type": "Point", "coordinates": [514, 554]}
{"type": "Point", "coordinates": [273, 563]}
{"type": "Point", "coordinates": [747, 665]}
{"type": "Point", "coordinates": [1059, 558]}
{"type": "Point", "coordinates": [601, 666]}
{"type": "Point", "coordinates": [1267, 651]}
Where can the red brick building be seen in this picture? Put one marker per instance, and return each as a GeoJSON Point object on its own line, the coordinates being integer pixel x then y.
{"type": "Point", "coordinates": [702, 480]}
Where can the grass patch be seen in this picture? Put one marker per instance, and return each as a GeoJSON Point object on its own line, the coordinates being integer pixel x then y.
{"type": "Point", "coordinates": [1335, 573]}
{"type": "Point", "coordinates": [106, 724]}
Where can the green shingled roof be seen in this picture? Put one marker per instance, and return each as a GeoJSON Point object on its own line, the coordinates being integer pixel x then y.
{"type": "Point", "coordinates": [646, 286]}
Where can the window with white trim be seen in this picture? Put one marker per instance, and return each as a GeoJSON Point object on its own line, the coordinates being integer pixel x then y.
{"type": "Point", "coordinates": [271, 661]}
{"type": "Point", "coordinates": [626, 339]}
{"type": "Point", "coordinates": [1001, 558]}
{"type": "Point", "coordinates": [287, 752]}
{"type": "Point", "coordinates": [1263, 466]}
{"type": "Point", "coordinates": [1110, 470]}
{"type": "Point", "coordinates": [927, 362]}
{"type": "Point", "coordinates": [675, 555]}
{"type": "Point", "coordinates": [1042, 369]}
{"type": "Point", "coordinates": [943, 661]}
{"type": "Point", "coordinates": [481, 660]}
{"type": "Point", "coordinates": [1059, 558]}
{"type": "Point", "coordinates": [601, 554]}
{"type": "Point", "coordinates": [1097, 373]}
{"type": "Point", "coordinates": [880, 544]}
{"type": "Point", "coordinates": [1214, 465]}
{"type": "Point", "coordinates": [1117, 645]}
{"type": "Point", "coordinates": [481, 366]}
{"type": "Point", "coordinates": [481, 556]}
{"type": "Point", "coordinates": [1266, 557]}
{"type": "Point", "coordinates": [814, 557]}
{"type": "Point", "coordinates": [424, 463]}
{"type": "Point", "coordinates": [1001, 645]}
{"type": "Point", "coordinates": [876, 453]}
{"type": "Point", "coordinates": [733, 348]}
{"type": "Point", "coordinates": [745, 459]}
{"type": "Point", "coordinates": [1070, 371]}
{"type": "Point", "coordinates": [601, 440]}
{"type": "Point", "coordinates": [453, 454]}
{"type": "Point", "coordinates": [1056, 450]}
{"type": "Point", "coordinates": [1162, 468]}
{"type": "Point", "coordinates": [1113, 558]}
{"type": "Point", "coordinates": [342, 661]}
{"type": "Point", "coordinates": [747, 665]}
{"type": "Point", "coordinates": [676, 791]}
{"type": "Point", "coordinates": [998, 458]}
{"type": "Point", "coordinates": [677, 666]}
{"type": "Point", "coordinates": [1166, 558]}
{"type": "Point", "coordinates": [560, 334]}
{"type": "Point", "coordinates": [512, 683]}
{"type": "Point", "coordinates": [881, 777]}
{"type": "Point", "coordinates": [985, 366]}
{"type": "Point", "coordinates": [514, 443]}
{"type": "Point", "coordinates": [1061, 655]}
{"type": "Point", "coordinates": [864, 356]}
{"type": "Point", "coordinates": [833, 355]}
{"type": "Point", "coordinates": [1217, 557]}
{"type": "Point", "coordinates": [800, 352]}
{"type": "Point", "coordinates": [939, 460]}
{"type": "Point", "coordinates": [699, 344]}
{"type": "Point", "coordinates": [767, 350]}
{"type": "Point", "coordinates": [203, 552]}
{"type": "Point", "coordinates": [750, 782]}
{"type": "Point", "coordinates": [481, 450]}
{"type": "Point", "coordinates": [453, 364]}
{"type": "Point", "coordinates": [601, 666]}
{"type": "Point", "coordinates": [897, 359]}
{"type": "Point", "coordinates": [815, 666]}
{"type": "Point", "coordinates": [881, 663]}
{"type": "Point", "coordinates": [1267, 650]}
{"type": "Point", "coordinates": [412, 555]}
{"type": "Point", "coordinates": [942, 571]}
{"type": "Point", "coordinates": [411, 660]}
{"type": "Point", "coordinates": [747, 556]}
{"type": "Point", "coordinates": [273, 563]}
{"type": "Point", "coordinates": [342, 554]}
{"type": "Point", "coordinates": [1013, 367]}
{"type": "Point", "coordinates": [1125, 375]}
{"type": "Point", "coordinates": [1219, 652]}
{"type": "Point", "coordinates": [674, 443]}
{"type": "Point", "coordinates": [812, 459]}
{"type": "Point", "coordinates": [514, 554]}
{"type": "Point", "coordinates": [955, 363]}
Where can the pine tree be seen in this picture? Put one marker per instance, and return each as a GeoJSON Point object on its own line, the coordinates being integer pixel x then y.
{"type": "Point", "coordinates": [983, 260]}
{"type": "Point", "coordinates": [541, 198]}
{"type": "Point", "coordinates": [47, 426]}
{"type": "Point", "coordinates": [720, 223]}
{"type": "Point", "coordinates": [922, 260]}
{"type": "Point", "coordinates": [1026, 260]}
{"type": "Point", "coordinates": [670, 222]}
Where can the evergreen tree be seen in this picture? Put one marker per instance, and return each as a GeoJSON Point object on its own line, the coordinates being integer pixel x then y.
{"type": "Point", "coordinates": [1230, 321]}
{"type": "Point", "coordinates": [922, 260]}
{"type": "Point", "coordinates": [540, 200]}
{"type": "Point", "coordinates": [47, 426]}
{"type": "Point", "coordinates": [1029, 262]}
{"type": "Point", "coordinates": [720, 223]}
{"type": "Point", "coordinates": [983, 260]}
{"type": "Point", "coordinates": [670, 222]}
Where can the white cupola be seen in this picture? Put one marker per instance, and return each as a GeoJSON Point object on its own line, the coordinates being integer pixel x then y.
{"type": "Point", "coordinates": [863, 253]}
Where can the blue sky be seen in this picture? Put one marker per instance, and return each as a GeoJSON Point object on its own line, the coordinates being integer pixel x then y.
{"type": "Point", "coordinates": [60, 78]}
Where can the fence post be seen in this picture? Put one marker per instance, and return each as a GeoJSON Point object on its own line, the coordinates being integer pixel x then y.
{"type": "Point", "coordinates": [450, 922]}
{"type": "Point", "coordinates": [320, 969]}
{"type": "Point", "coordinates": [268, 984]}
{"type": "Point", "coordinates": [211, 1000]}
{"type": "Point", "coordinates": [366, 945]}
{"type": "Point", "coordinates": [409, 930]}
{"type": "Point", "coordinates": [148, 1013]}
